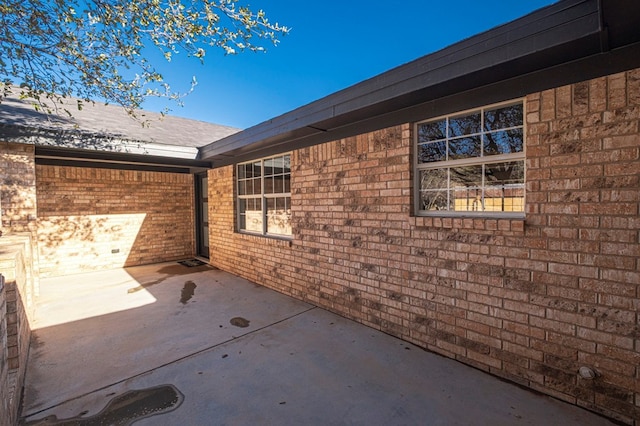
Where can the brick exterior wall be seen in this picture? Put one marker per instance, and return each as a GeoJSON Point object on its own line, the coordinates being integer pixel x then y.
{"type": "Point", "coordinates": [528, 300]}
{"type": "Point", "coordinates": [16, 314]}
{"type": "Point", "coordinates": [5, 409]}
{"type": "Point", "coordinates": [92, 219]}
{"type": "Point", "coordinates": [18, 270]}
{"type": "Point", "coordinates": [17, 187]}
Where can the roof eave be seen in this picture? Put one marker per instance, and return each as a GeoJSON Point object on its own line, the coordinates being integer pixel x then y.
{"type": "Point", "coordinates": [569, 35]}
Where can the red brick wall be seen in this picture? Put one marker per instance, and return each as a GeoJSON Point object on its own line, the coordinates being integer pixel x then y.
{"type": "Point", "coordinates": [16, 316]}
{"type": "Point", "coordinates": [17, 267]}
{"type": "Point", "coordinates": [528, 300]}
{"type": "Point", "coordinates": [17, 187]}
{"type": "Point", "coordinates": [86, 214]}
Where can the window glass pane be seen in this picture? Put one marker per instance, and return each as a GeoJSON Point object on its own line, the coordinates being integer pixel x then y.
{"type": "Point", "coordinates": [257, 169]}
{"type": "Point", "coordinates": [505, 173]}
{"type": "Point", "coordinates": [269, 167]}
{"type": "Point", "coordinates": [287, 183]}
{"type": "Point", "coordinates": [503, 117]}
{"type": "Point", "coordinates": [268, 185]}
{"type": "Point", "coordinates": [279, 216]}
{"type": "Point", "coordinates": [504, 199]}
{"type": "Point", "coordinates": [503, 142]}
{"type": "Point", "coordinates": [504, 187]}
{"type": "Point", "coordinates": [466, 188]}
{"type": "Point", "coordinates": [464, 148]}
{"type": "Point", "coordinates": [478, 182]}
{"type": "Point", "coordinates": [261, 184]}
{"type": "Point", "coordinates": [278, 164]}
{"type": "Point", "coordinates": [205, 240]}
{"type": "Point", "coordinates": [254, 186]}
{"type": "Point", "coordinates": [205, 212]}
{"type": "Point", "coordinates": [433, 151]}
{"type": "Point", "coordinates": [432, 131]}
{"type": "Point", "coordinates": [287, 164]}
{"type": "Point", "coordinates": [433, 189]}
{"type": "Point", "coordinates": [434, 200]}
{"type": "Point", "coordinates": [278, 184]}
{"type": "Point", "coordinates": [465, 125]}
{"type": "Point", "coordinates": [251, 215]}
{"type": "Point", "coordinates": [433, 179]}
{"type": "Point", "coordinates": [205, 188]}
{"type": "Point", "coordinates": [242, 208]}
{"type": "Point", "coordinates": [271, 204]}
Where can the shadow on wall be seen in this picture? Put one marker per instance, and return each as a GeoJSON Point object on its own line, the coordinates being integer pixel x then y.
{"type": "Point", "coordinates": [91, 219]}
{"type": "Point", "coordinates": [85, 243]}
{"type": "Point", "coordinates": [17, 188]}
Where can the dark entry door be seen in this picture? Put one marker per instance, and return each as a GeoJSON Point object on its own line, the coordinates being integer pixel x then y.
{"type": "Point", "coordinates": [202, 215]}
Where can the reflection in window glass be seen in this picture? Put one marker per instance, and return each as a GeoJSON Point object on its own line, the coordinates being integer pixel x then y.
{"type": "Point", "coordinates": [505, 173]}
{"type": "Point", "coordinates": [472, 162]}
{"type": "Point", "coordinates": [504, 184]}
{"type": "Point", "coordinates": [433, 189]}
{"type": "Point", "coordinates": [503, 142]}
{"type": "Point", "coordinates": [251, 214]}
{"type": "Point", "coordinates": [503, 117]}
{"type": "Point", "coordinates": [436, 200]}
{"type": "Point", "coordinates": [264, 197]}
{"type": "Point", "coordinates": [466, 188]}
{"type": "Point", "coordinates": [464, 148]}
{"type": "Point", "coordinates": [432, 131]}
{"type": "Point", "coordinates": [278, 216]}
{"type": "Point", "coordinates": [469, 176]}
{"type": "Point", "coordinates": [465, 125]}
{"type": "Point", "coordinates": [432, 151]}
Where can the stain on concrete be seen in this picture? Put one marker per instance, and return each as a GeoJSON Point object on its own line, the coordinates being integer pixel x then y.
{"type": "Point", "coordinates": [125, 409]}
{"type": "Point", "coordinates": [168, 271]}
{"type": "Point", "coordinates": [187, 291]}
{"type": "Point", "coordinates": [239, 322]}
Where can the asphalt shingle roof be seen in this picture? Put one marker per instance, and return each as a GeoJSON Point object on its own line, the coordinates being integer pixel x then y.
{"type": "Point", "coordinates": [106, 128]}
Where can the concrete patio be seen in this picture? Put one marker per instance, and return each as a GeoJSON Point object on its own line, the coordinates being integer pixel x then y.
{"type": "Point", "coordinates": [235, 353]}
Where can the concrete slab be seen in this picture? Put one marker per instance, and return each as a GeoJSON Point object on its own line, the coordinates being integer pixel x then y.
{"type": "Point", "coordinates": [293, 364]}
{"type": "Point", "coordinates": [93, 330]}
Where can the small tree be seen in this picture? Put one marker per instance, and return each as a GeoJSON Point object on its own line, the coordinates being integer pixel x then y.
{"type": "Point", "coordinates": [94, 49]}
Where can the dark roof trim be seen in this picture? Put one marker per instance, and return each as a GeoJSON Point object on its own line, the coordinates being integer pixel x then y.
{"type": "Point", "coordinates": [585, 37]}
{"type": "Point", "coordinates": [116, 160]}
{"type": "Point", "coordinates": [116, 166]}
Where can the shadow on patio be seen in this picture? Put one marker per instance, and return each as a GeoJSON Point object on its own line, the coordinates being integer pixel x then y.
{"type": "Point", "coordinates": [238, 353]}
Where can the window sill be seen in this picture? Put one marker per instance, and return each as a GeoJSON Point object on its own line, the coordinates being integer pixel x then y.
{"type": "Point", "coordinates": [271, 240]}
{"type": "Point", "coordinates": [506, 224]}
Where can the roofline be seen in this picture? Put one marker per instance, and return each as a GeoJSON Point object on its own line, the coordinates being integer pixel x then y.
{"type": "Point", "coordinates": [80, 139]}
{"type": "Point", "coordinates": [563, 43]}
{"type": "Point", "coordinates": [53, 155]}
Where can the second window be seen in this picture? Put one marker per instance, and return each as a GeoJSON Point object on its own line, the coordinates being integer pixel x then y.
{"type": "Point", "coordinates": [264, 196]}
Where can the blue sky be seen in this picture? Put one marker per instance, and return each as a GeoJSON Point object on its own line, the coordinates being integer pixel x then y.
{"type": "Point", "coordinates": [332, 45]}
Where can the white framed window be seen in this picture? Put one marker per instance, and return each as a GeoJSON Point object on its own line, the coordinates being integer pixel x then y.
{"type": "Point", "coordinates": [472, 163]}
{"type": "Point", "coordinates": [264, 196]}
